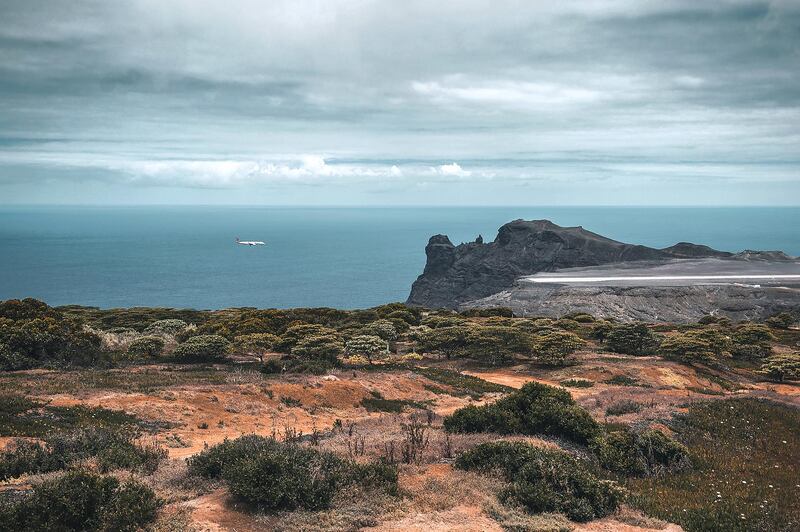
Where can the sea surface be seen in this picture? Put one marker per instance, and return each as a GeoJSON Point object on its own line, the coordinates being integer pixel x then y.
{"type": "Point", "coordinates": [336, 257]}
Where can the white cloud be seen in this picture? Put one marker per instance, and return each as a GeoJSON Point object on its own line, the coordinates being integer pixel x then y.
{"type": "Point", "coordinates": [452, 169]}
{"type": "Point", "coordinates": [512, 93]}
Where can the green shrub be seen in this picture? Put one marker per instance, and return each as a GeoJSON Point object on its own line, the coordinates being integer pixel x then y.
{"type": "Point", "coordinates": [631, 339]}
{"type": "Point", "coordinates": [168, 327]}
{"type": "Point", "coordinates": [638, 454]}
{"type": "Point", "coordinates": [600, 330]}
{"type": "Point", "coordinates": [449, 340]}
{"type": "Point", "coordinates": [371, 347]}
{"type": "Point", "coordinates": [255, 344]}
{"type": "Point", "coordinates": [289, 364]}
{"type": "Point", "coordinates": [533, 409]}
{"type": "Point", "coordinates": [146, 347]}
{"type": "Point", "coordinates": [203, 348]}
{"type": "Point", "coordinates": [581, 317]}
{"type": "Point", "coordinates": [577, 383]}
{"type": "Point", "coordinates": [626, 406]}
{"type": "Point", "coordinates": [491, 312]}
{"type": "Point", "coordinates": [544, 480]}
{"type": "Point", "coordinates": [295, 333]}
{"type": "Point", "coordinates": [552, 348]}
{"type": "Point", "coordinates": [327, 347]}
{"type": "Point", "coordinates": [384, 329]}
{"type": "Point", "coordinates": [752, 341]}
{"type": "Point", "coordinates": [404, 314]}
{"type": "Point", "coordinates": [441, 321]}
{"type": "Point", "coordinates": [79, 500]}
{"type": "Point", "coordinates": [783, 367]}
{"type": "Point", "coordinates": [281, 476]}
{"type": "Point", "coordinates": [113, 449]}
{"type": "Point", "coordinates": [698, 345]}
{"type": "Point", "coordinates": [782, 320]}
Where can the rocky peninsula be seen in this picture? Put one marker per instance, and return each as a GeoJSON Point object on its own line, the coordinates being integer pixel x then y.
{"type": "Point", "coordinates": [681, 285]}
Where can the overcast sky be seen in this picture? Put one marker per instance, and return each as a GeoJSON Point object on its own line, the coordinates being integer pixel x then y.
{"type": "Point", "coordinates": [400, 102]}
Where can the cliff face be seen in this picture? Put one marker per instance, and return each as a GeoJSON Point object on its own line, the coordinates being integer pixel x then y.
{"type": "Point", "coordinates": [456, 274]}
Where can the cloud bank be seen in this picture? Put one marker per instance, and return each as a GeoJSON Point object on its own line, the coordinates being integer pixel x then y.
{"type": "Point", "coordinates": [355, 101]}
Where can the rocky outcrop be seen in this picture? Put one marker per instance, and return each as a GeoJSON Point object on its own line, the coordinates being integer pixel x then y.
{"type": "Point", "coordinates": [457, 274]}
{"type": "Point", "coordinates": [673, 304]}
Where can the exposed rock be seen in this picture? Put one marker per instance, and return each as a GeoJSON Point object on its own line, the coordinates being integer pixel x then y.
{"type": "Point", "coordinates": [674, 304]}
{"type": "Point", "coordinates": [456, 274]}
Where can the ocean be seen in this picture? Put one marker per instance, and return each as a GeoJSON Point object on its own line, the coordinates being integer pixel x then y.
{"type": "Point", "coordinates": [335, 257]}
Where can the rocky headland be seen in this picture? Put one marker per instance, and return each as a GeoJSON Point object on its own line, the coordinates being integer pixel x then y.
{"type": "Point", "coordinates": [478, 274]}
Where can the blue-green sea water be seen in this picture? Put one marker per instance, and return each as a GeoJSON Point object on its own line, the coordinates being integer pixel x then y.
{"type": "Point", "coordinates": [337, 257]}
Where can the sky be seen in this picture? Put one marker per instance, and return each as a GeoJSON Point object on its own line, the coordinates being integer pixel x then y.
{"type": "Point", "coordinates": [370, 102]}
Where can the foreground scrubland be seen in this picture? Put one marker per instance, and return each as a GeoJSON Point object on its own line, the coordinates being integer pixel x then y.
{"type": "Point", "coordinates": [394, 418]}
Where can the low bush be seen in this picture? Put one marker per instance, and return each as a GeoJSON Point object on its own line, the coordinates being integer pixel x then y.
{"type": "Point", "coordinates": [326, 347]}
{"type": "Point", "coordinates": [79, 500]}
{"type": "Point", "coordinates": [623, 407]}
{"type": "Point", "coordinates": [255, 344]}
{"type": "Point", "coordinates": [553, 348]}
{"type": "Point", "coordinates": [203, 348]}
{"type": "Point", "coordinates": [383, 329]}
{"type": "Point", "coordinates": [282, 476]}
{"type": "Point", "coordinates": [783, 367]}
{"type": "Point", "coordinates": [751, 341]}
{"type": "Point", "coordinates": [146, 347]}
{"type": "Point", "coordinates": [631, 339]}
{"type": "Point", "coordinates": [782, 320]}
{"type": "Point", "coordinates": [544, 480]}
{"type": "Point", "coordinates": [370, 347]}
{"type": "Point", "coordinates": [290, 364]}
{"type": "Point", "coordinates": [168, 327]}
{"type": "Point", "coordinates": [638, 454]}
{"type": "Point", "coordinates": [492, 344]}
{"type": "Point", "coordinates": [695, 346]}
{"type": "Point", "coordinates": [295, 333]}
{"type": "Point", "coordinates": [533, 409]}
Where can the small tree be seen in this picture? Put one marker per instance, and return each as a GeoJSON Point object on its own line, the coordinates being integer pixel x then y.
{"type": "Point", "coordinates": [496, 344]}
{"type": "Point", "coordinates": [367, 346]}
{"type": "Point", "coordinates": [783, 367]}
{"type": "Point", "coordinates": [382, 328]}
{"type": "Point", "coordinates": [632, 339]}
{"type": "Point", "coordinates": [449, 341]}
{"type": "Point", "coordinates": [695, 346]}
{"type": "Point", "coordinates": [752, 341]}
{"type": "Point", "coordinates": [256, 344]}
{"type": "Point", "coordinates": [552, 348]}
{"type": "Point", "coordinates": [325, 347]}
{"type": "Point", "coordinates": [295, 333]}
{"type": "Point", "coordinates": [169, 327]}
{"type": "Point", "coordinates": [146, 347]}
{"type": "Point", "coordinates": [203, 348]}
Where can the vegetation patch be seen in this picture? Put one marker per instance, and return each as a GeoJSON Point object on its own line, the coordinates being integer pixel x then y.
{"type": "Point", "coordinates": [80, 500]}
{"type": "Point", "coordinates": [271, 476]}
{"type": "Point", "coordinates": [631, 453]}
{"type": "Point", "coordinates": [624, 380]}
{"type": "Point", "coordinates": [112, 448]}
{"type": "Point", "coordinates": [20, 416]}
{"type": "Point", "coordinates": [577, 383]}
{"type": "Point", "coordinates": [533, 409]}
{"type": "Point", "coordinates": [746, 457]}
{"type": "Point", "coordinates": [376, 403]}
{"type": "Point", "coordinates": [623, 407]}
{"type": "Point", "coordinates": [544, 480]}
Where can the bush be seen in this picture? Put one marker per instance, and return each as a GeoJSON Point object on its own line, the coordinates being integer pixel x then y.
{"type": "Point", "coordinates": [600, 330]}
{"type": "Point", "coordinates": [255, 344]}
{"type": "Point", "coordinates": [295, 333]}
{"type": "Point", "coordinates": [581, 317]}
{"type": "Point", "coordinates": [79, 500]}
{"type": "Point", "coordinates": [113, 449]}
{"type": "Point", "coordinates": [384, 329]}
{"type": "Point", "coordinates": [782, 320]}
{"type": "Point", "coordinates": [544, 480]}
{"type": "Point", "coordinates": [640, 453]}
{"type": "Point", "coordinates": [406, 315]}
{"type": "Point", "coordinates": [552, 348]}
{"type": "Point", "coordinates": [493, 344]}
{"type": "Point", "coordinates": [370, 347]}
{"type": "Point", "coordinates": [169, 327]}
{"type": "Point", "coordinates": [533, 409]}
{"type": "Point", "coordinates": [625, 406]}
{"type": "Point", "coordinates": [146, 347]}
{"type": "Point", "coordinates": [632, 339]}
{"type": "Point", "coordinates": [283, 476]}
{"type": "Point", "coordinates": [203, 348]}
{"type": "Point", "coordinates": [783, 367]}
{"type": "Point", "coordinates": [491, 312]}
{"type": "Point", "coordinates": [752, 341]}
{"type": "Point", "coordinates": [699, 345]}
{"type": "Point", "coordinates": [327, 347]}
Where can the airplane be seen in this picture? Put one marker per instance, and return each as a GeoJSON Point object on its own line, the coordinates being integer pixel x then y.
{"type": "Point", "coordinates": [250, 242]}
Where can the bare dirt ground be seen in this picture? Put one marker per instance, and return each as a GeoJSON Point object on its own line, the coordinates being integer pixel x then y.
{"type": "Point", "coordinates": [435, 496]}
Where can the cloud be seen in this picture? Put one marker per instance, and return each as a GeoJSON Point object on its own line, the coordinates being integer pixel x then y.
{"type": "Point", "coordinates": [287, 93]}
